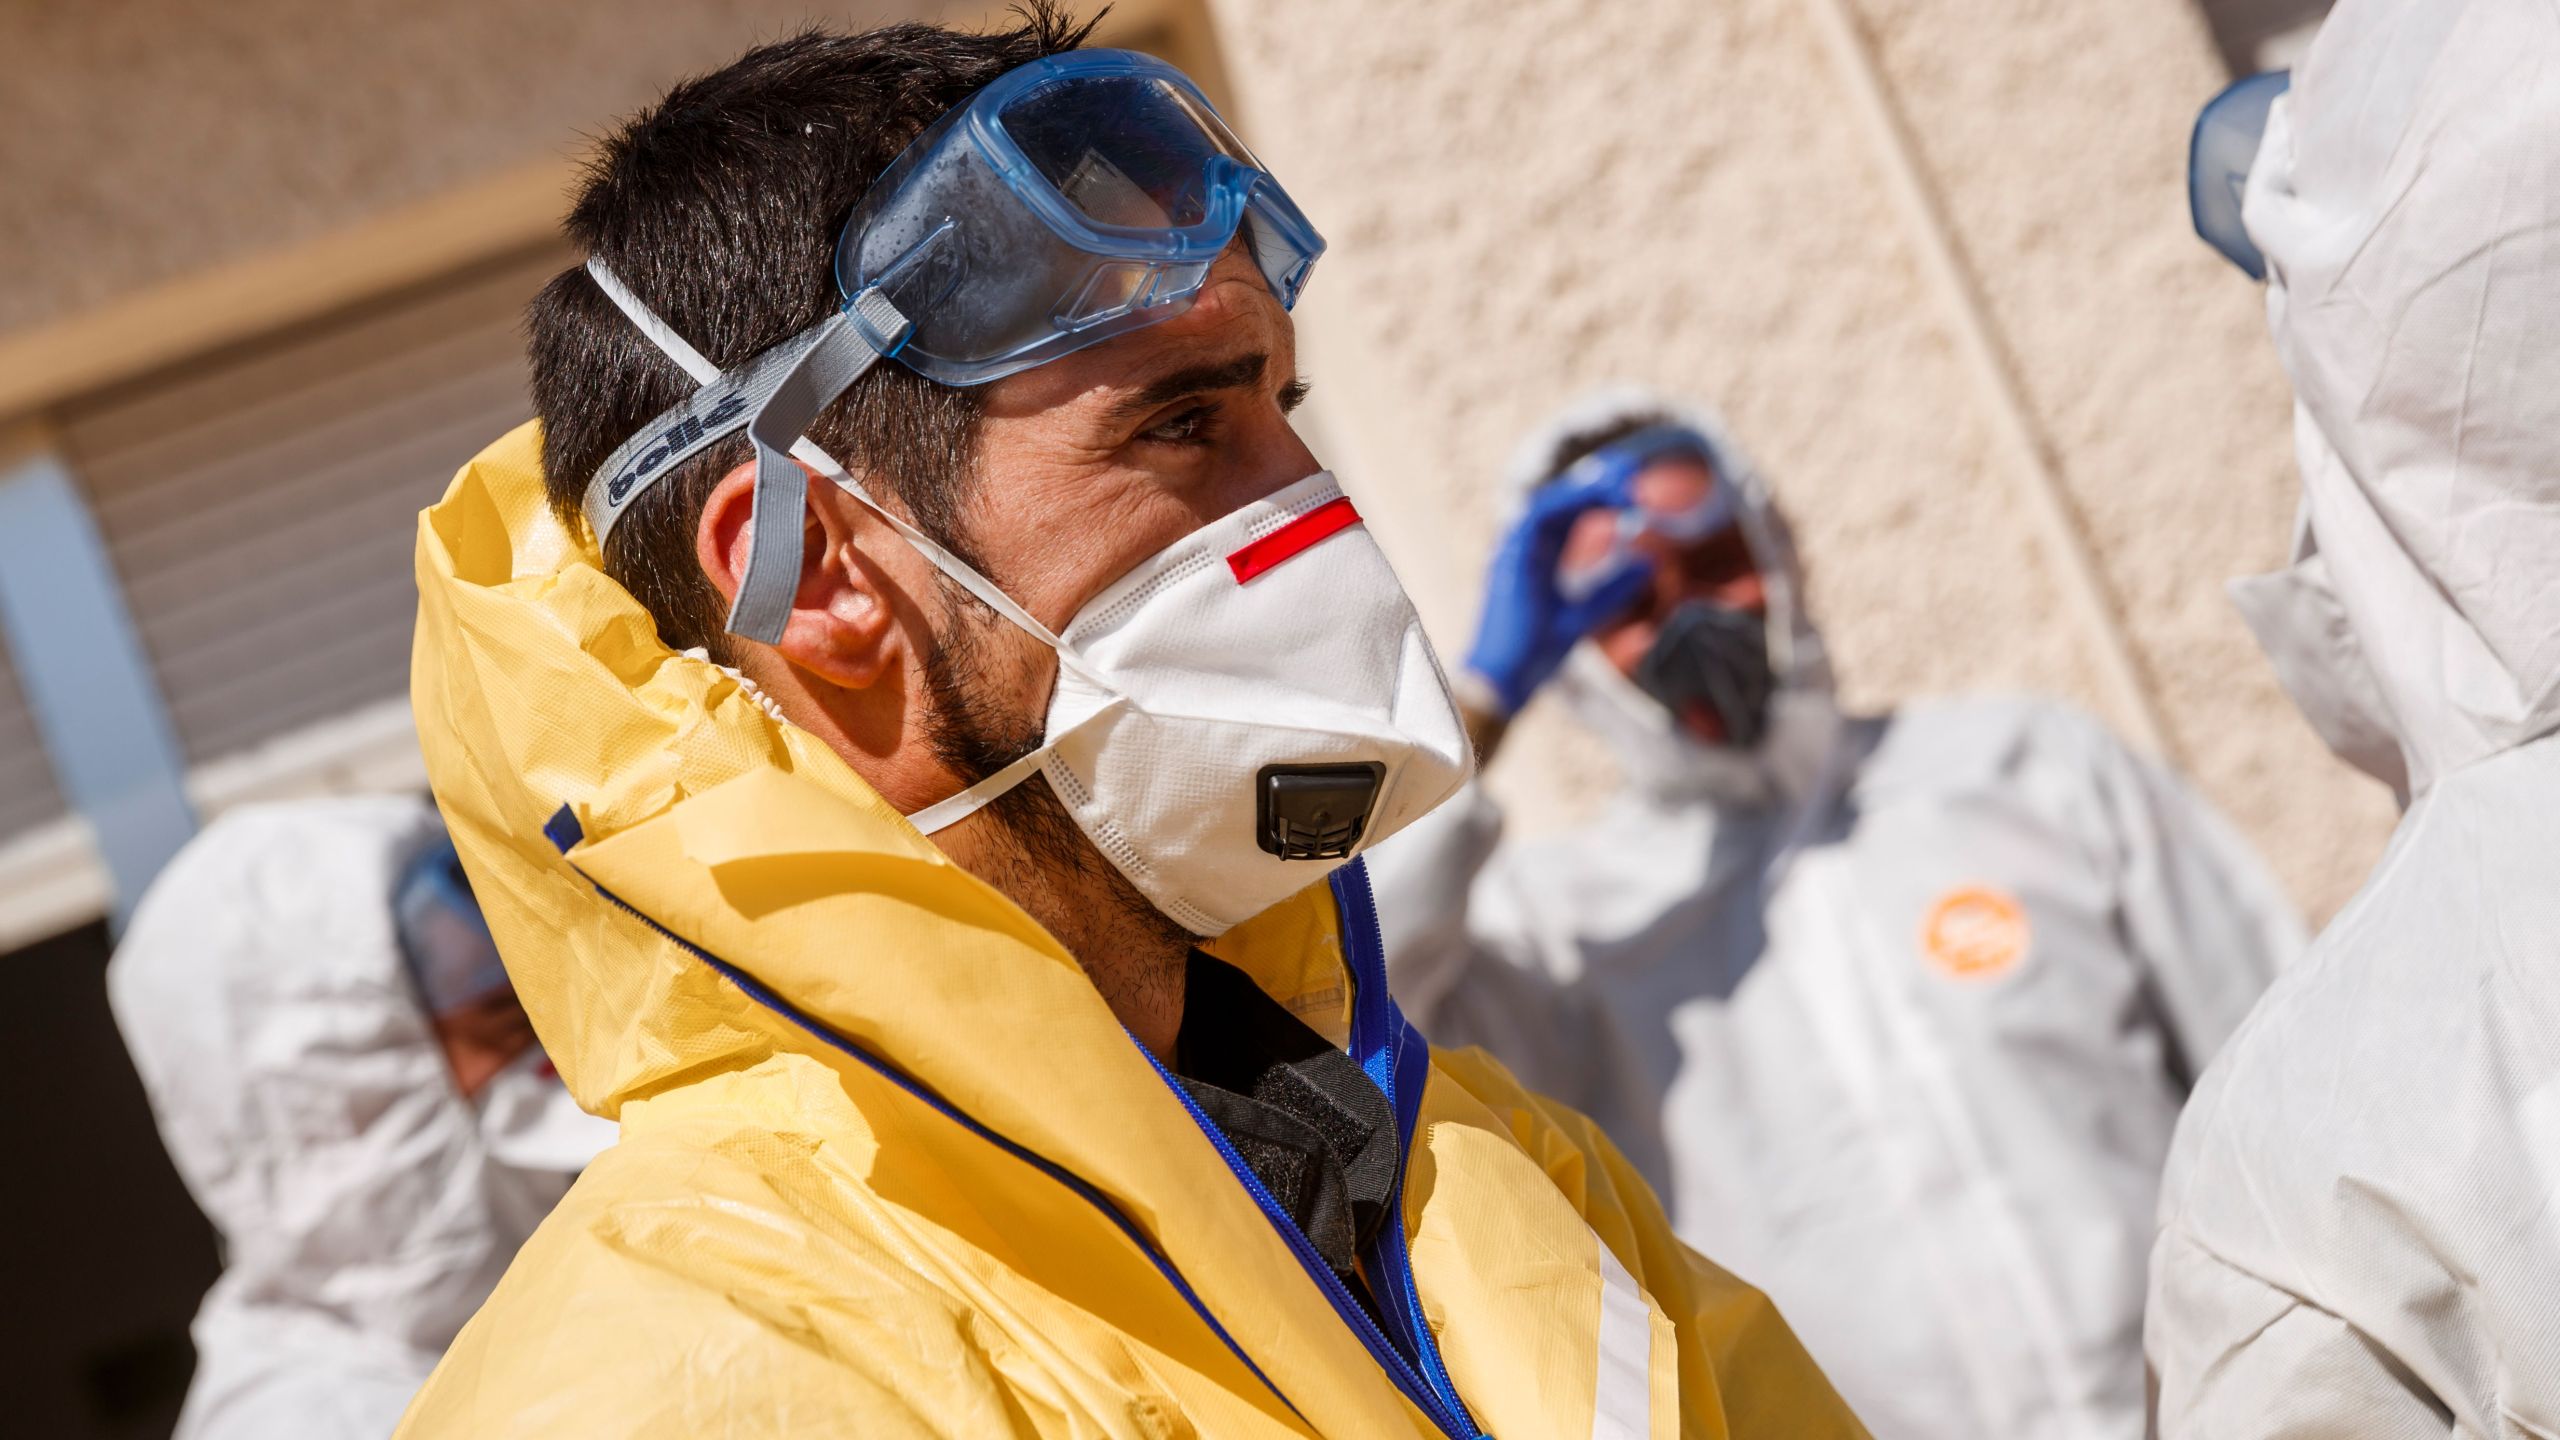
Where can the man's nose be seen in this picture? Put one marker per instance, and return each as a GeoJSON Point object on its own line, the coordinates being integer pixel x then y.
{"type": "Point", "coordinates": [1276, 455]}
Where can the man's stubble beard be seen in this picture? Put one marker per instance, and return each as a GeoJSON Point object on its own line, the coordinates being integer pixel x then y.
{"type": "Point", "coordinates": [1041, 857]}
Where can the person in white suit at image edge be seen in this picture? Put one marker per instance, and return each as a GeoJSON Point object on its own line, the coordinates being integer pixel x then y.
{"type": "Point", "coordinates": [2359, 1234]}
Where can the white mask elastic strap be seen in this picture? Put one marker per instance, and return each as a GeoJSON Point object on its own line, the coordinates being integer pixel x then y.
{"type": "Point", "coordinates": [646, 321]}
{"type": "Point", "coordinates": [978, 797]}
{"type": "Point", "coordinates": [808, 452]}
{"type": "Point", "coordinates": [945, 813]}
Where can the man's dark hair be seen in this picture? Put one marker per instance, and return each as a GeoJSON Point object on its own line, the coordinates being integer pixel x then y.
{"type": "Point", "coordinates": [719, 207]}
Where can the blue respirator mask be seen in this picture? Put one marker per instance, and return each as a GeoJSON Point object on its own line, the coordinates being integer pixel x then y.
{"type": "Point", "coordinates": [1075, 198]}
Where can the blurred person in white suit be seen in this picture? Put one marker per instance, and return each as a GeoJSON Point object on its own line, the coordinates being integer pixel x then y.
{"type": "Point", "coordinates": [354, 1097]}
{"type": "Point", "coordinates": [2359, 1228]}
{"type": "Point", "coordinates": [1897, 1011]}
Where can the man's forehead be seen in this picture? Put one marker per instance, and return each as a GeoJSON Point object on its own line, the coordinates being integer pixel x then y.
{"type": "Point", "coordinates": [1234, 329]}
{"type": "Point", "coordinates": [1679, 463]}
{"type": "Point", "coordinates": [1178, 377]}
{"type": "Point", "coordinates": [1233, 335]}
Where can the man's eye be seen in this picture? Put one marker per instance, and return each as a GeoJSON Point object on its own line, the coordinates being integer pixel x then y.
{"type": "Point", "coordinates": [1188, 428]}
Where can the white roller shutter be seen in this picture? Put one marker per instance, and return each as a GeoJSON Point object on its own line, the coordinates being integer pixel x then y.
{"type": "Point", "coordinates": [261, 505]}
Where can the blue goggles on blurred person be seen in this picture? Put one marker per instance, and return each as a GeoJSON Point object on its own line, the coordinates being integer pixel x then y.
{"type": "Point", "coordinates": [443, 937]}
{"type": "Point", "coordinates": [1076, 198]}
{"type": "Point", "coordinates": [1625, 477]}
{"type": "Point", "coordinates": [2225, 145]}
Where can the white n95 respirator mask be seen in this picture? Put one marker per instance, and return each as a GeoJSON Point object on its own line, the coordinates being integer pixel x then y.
{"type": "Point", "coordinates": [1243, 712]}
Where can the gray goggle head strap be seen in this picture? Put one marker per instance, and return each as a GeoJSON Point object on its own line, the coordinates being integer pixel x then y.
{"type": "Point", "coordinates": [774, 398]}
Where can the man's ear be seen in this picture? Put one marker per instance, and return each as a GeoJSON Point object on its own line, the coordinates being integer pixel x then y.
{"type": "Point", "coordinates": [841, 626]}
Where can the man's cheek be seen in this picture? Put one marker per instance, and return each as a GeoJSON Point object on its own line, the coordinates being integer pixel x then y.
{"type": "Point", "coordinates": [1624, 643]}
{"type": "Point", "coordinates": [1748, 591]}
{"type": "Point", "coordinates": [1032, 675]}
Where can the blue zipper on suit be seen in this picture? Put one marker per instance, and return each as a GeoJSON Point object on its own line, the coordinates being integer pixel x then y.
{"type": "Point", "coordinates": [564, 831]}
{"type": "Point", "coordinates": [1398, 1053]}
{"type": "Point", "coordinates": [1398, 1060]}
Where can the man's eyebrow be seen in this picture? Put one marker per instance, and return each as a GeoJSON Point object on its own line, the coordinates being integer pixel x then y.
{"type": "Point", "coordinates": [1242, 372]}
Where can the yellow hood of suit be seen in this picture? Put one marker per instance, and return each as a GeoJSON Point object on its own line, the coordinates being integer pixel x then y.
{"type": "Point", "coordinates": [788, 1240]}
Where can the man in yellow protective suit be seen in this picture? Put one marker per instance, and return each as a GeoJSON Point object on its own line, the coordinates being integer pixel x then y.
{"type": "Point", "coordinates": [921, 802]}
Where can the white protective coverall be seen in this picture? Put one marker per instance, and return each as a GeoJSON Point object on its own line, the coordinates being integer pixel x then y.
{"type": "Point", "coordinates": [1897, 1013]}
{"type": "Point", "coordinates": [2361, 1221]}
{"type": "Point", "coordinates": [312, 1114]}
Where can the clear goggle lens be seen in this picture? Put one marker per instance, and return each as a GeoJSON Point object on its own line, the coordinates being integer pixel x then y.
{"type": "Point", "coordinates": [1074, 199]}
{"type": "Point", "coordinates": [1125, 151]}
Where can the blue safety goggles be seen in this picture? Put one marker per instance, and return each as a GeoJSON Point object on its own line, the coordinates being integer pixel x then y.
{"type": "Point", "coordinates": [2219, 155]}
{"type": "Point", "coordinates": [1076, 198]}
{"type": "Point", "coordinates": [1684, 517]}
{"type": "Point", "coordinates": [1073, 199]}
{"type": "Point", "coordinates": [1611, 471]}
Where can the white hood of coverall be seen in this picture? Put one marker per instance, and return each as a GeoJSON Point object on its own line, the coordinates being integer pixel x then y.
{"type": "Point", "coordinates": [2413, 281]}
{"type": "Point", "coordinates": [310, 1111]}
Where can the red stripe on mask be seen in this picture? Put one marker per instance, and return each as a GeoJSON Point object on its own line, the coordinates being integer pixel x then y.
{"type": "Point", "coordinates": [1299, 535]}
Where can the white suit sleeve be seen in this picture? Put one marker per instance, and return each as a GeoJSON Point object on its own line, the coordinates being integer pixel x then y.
{"type": "Point", "coordinates": [1425, 877]}
{"type": "Point", "coordinates": [2236, 1358]}
{"type": "Point", "coordinates": [2201, 913]}
{"type": "Point", "coordinates": [1464, 954]}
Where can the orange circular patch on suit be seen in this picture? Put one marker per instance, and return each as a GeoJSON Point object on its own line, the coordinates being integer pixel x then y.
{"type": "Point", "coordinates": [1976, 933]}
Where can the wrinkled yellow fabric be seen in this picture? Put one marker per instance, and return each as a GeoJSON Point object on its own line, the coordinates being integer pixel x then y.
{"type": "Point", "coordinates": [785, 1242]}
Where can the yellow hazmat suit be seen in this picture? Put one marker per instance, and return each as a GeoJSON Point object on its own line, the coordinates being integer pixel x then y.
{"type": "Point", "coordinates": [889, 1166]}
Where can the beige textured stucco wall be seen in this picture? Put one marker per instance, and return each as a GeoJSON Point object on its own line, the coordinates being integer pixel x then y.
{"type": "Point", "coordinates": [143, 139]}
{"type": "Point", "coordinates": [1530, 197]}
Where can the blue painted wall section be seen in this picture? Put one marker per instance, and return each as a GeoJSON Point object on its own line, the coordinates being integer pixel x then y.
{"type": "Point", "coordinates": [86, 678]}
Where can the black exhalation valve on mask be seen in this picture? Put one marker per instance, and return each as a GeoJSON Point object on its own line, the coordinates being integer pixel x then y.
{"type": "Point", "coordinates": [1315, 812]}
{"type": "Point", "coordinates": [1716, 656]}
